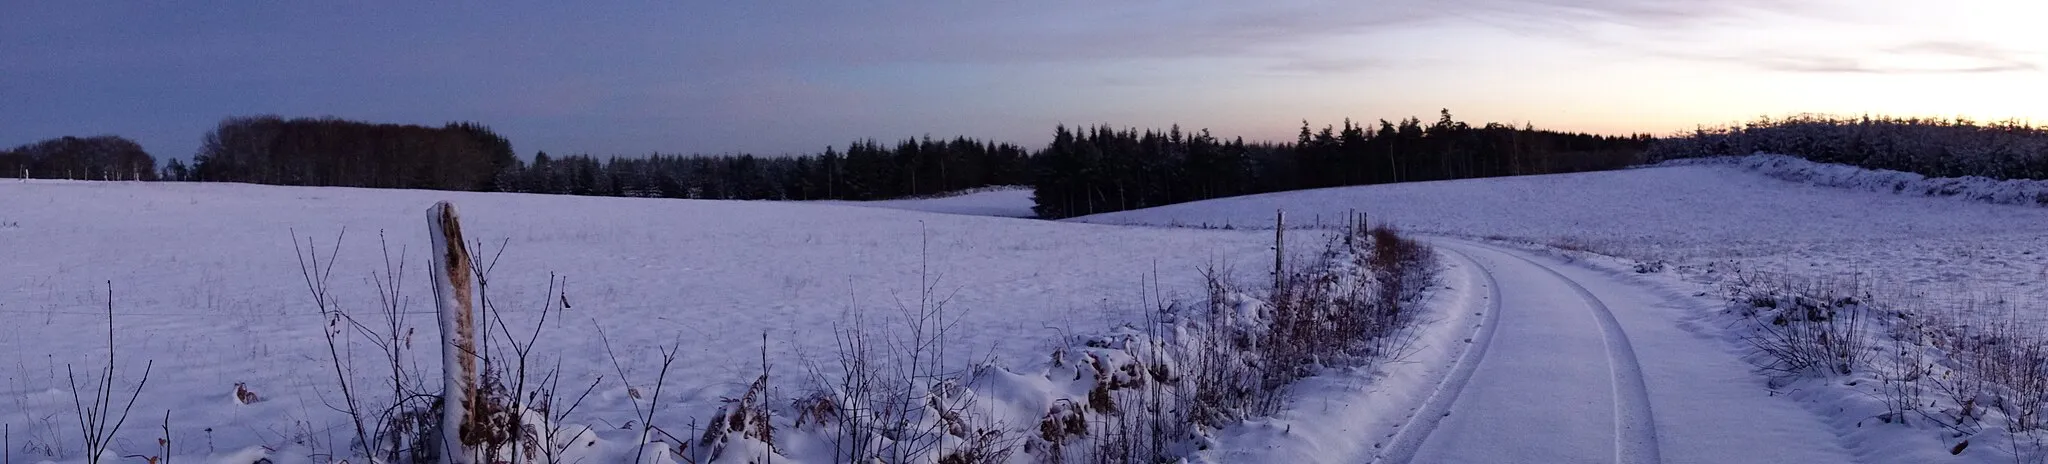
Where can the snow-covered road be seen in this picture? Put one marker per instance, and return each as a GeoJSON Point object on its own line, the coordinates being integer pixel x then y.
{"type": "Point", "coordinates": [1588, 366]}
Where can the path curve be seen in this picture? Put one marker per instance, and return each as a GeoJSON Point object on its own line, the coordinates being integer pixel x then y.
{"type": "Point", "coordinates": [1576, 362]}
{"type": "Point", "coordinates": [1408, 438]}
{"type": "Point", "coordinates": [1557, 382]}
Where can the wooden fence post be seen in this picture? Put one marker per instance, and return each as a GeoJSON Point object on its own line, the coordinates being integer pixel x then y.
{"type": "Point", "coordinates": [1350, 225]}
{"type": "Point", "coordinates": [458, 332]}
{"type": "Point", "coordinates": [1279, 250]}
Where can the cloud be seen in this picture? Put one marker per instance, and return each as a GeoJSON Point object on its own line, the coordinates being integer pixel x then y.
{"type": "Point", "coordinates": [868, 33]}
{"type": "Point", "coordinates": [1988, 58]}
{"type": "Point", "coordinates": [1924, 57]}
{"type": "Point", "coordinates": [1320, 65]}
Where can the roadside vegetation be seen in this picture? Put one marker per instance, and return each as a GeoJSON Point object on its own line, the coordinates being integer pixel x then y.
{"type": "Point", "coordinates": [1975, 370]}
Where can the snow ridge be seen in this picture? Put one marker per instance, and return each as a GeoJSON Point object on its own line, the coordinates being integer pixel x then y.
{"type": "Point", "coordinates": [1973, 188]}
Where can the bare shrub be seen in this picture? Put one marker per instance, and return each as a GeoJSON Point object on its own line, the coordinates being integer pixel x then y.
{"type": "Point", "coordinates": [515, 418]}
{"type": "Point", "coordinates": [1348, 310]}
{"type": "Point", "coordinates": [1804, 325]}
{"type": "Point", "coordinates": [97, 422]}
{"type": "Point", "coordinates": [646, 415]}
{"type": "Point", "coordinates": [895, 397]}
{"type": "Point", "coordinates": [1903, 377]}
{"type": "Point", "coordinates": [1405, 268]}
{"type": "Point", "coordinates": [316, 277]}
{"type": "Point", "coordinates": [555, 434]}
{"type": "Point", "coordinates": [401, 426]}
{"type": "Point", "coordinates": [1153, 397]}
{"type": "Point", "coordinates": [1964, 368]}
{"type": "Point", "coordinates": [1997, 363]}
{"type": "Point", "coordinates": [512, 420]}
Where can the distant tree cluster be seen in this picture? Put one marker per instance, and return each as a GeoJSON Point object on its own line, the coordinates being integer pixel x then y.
{"type": "Point", "coordinates": [336, 152]}
{"type": "Point", "coordinates": [866, 171]}
{"type": "Point", "coordinates": [1930, 147]}
{"type": "Point", "coordinates": [1100, 169]}
{"type": "Point", "coordinates": [104, 157]}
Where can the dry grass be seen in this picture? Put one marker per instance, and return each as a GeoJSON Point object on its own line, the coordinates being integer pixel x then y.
{"type": "Point", "coordinates": [1966, 369]}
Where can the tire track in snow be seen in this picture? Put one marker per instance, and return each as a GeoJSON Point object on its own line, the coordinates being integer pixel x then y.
{"type": "Point", "coordinates": [1635, 428]}
{"type": "Point", "coordinates": [1410, 435]}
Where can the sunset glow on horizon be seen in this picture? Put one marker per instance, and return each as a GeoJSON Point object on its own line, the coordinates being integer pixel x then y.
{"type": "Point", "coordinates": [782, 76]}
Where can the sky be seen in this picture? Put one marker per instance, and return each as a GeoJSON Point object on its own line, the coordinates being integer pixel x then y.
{"type": "Point", "coordinates": [782, 76]}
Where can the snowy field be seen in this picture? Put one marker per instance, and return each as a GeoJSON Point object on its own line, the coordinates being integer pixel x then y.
{"type": "Point", "coordinates": [1707, 218]}
{"type": "Point", "coordinates": [1004, 201]}
{"type": "Point", "coordinates": [206, 285]}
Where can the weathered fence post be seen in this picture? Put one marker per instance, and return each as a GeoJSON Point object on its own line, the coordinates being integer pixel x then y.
{"type": "Point", "coordinates": [1279, 250]}
{"type": "Point", "coordinates": [458, 331]}
{"type": "Point", "coordinates": [1350, 225]}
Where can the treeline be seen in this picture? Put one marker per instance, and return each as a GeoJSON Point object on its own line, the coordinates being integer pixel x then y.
{"type": "Point", "coordinates": [1082, 171]}
{"type": "Point", "coordinates": [1101, 169]}
{"type": "Point", "coordinates": [337, 152]}
{"type": "Point", "coordinates": [1930, 147]}
{"type": "Point", "coordinates": [866, 171]}
{"type": "Point", "coordinates": [104, 157]}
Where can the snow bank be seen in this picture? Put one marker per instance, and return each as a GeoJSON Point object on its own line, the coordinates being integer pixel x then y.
{"type": "Point", "coordinates": [1984, 189]}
